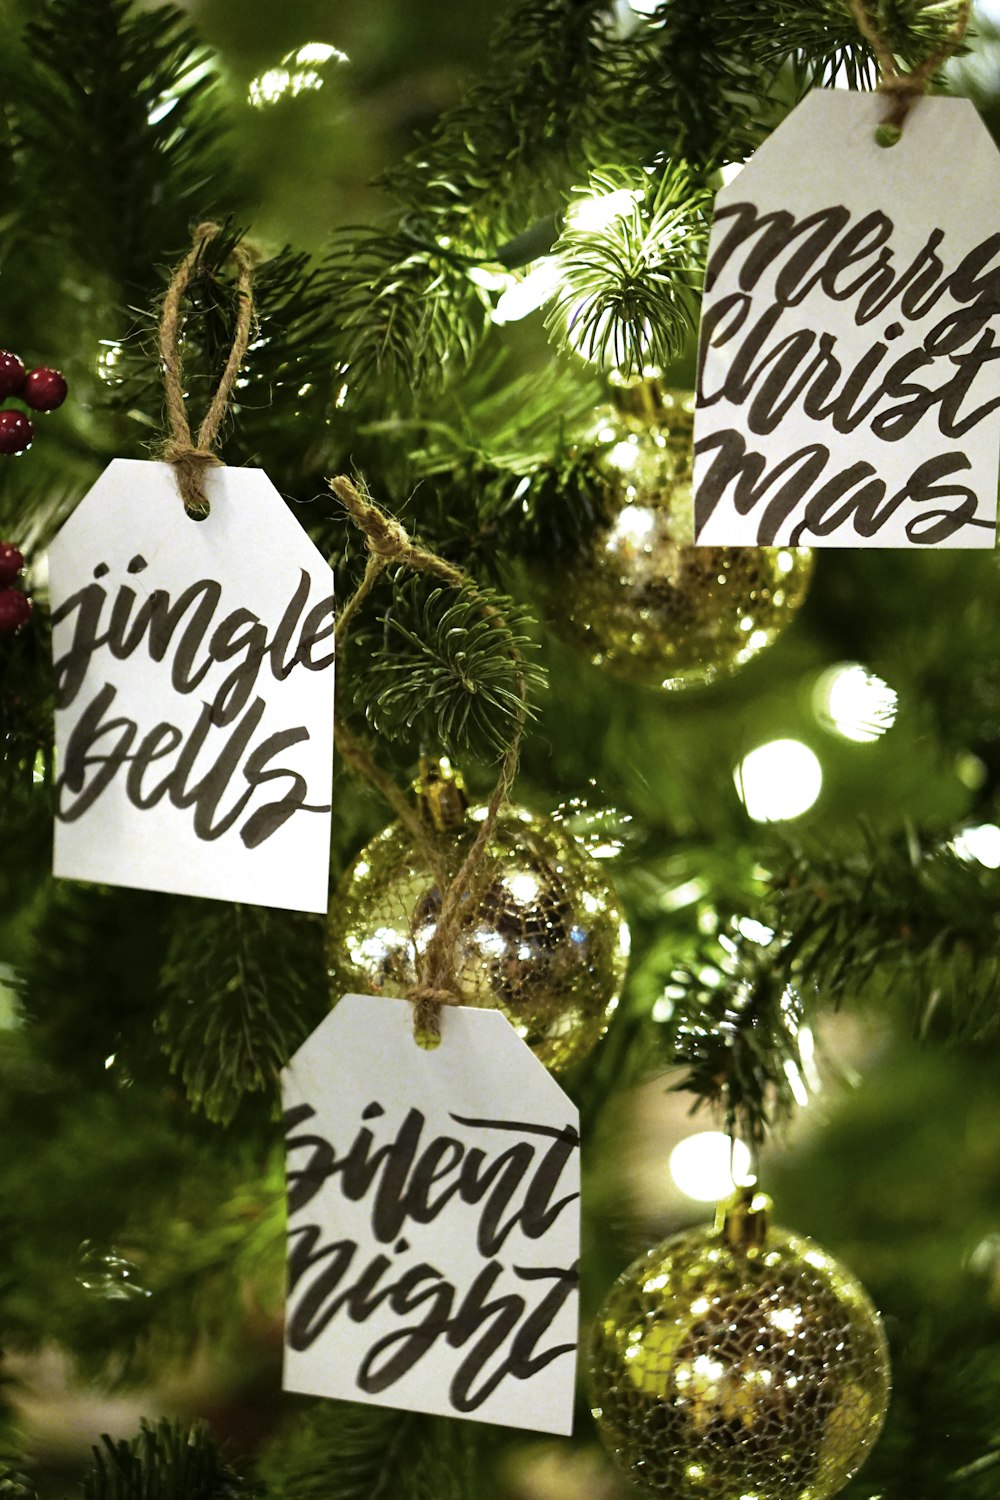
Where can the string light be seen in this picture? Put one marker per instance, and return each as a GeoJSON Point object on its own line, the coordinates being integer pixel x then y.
{"type": "Point", "coordinates": [778, 781]}
{"type": "Point", "coordinates": [854, 703]}
{"type": "Point", "coordinates": [708, 1165]}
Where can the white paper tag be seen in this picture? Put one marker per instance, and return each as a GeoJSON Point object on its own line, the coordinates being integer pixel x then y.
{"type": "Point", "coordinates": [194, 691]}
{"type": "Point", "coordinates": [849, 388]}
{"type": "Point", "coordinates": [434, 1219]}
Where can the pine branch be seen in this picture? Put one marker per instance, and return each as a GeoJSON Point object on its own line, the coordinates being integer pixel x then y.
{"type": "Point", "coordinates": [242, 987]}
{"type": "Point", "coordinates": [123, 101]}
{"type": "Point", "coordinates": [685, 84]}
{"type": "Point", "coordinates": [735, 1028]}
{"type": "Point", "coordinates": [91, 949]}
{"type": "Point", "coordinates": [628, 297]}
{"type": "Point", "coordinates": [339, 1451]}
{"type": "Point", "coordinates": [494, 468]}
{"type": "Point", "coordinates": [887, 917]}
{"type": "Point", "coordinates": [286, 385]}
{"type": "Point", "coordinates": [501, 154]}
{"type": "Point", "coordinates": [408, 311]}
{"type": "Point", "coordinates": [14, 1486]}
{"type": "Point", "coordinates": [165, 1462]}
{"type": "Point", "coordinates": [445, 666]}
{"type": "Point", "coordinates": [823, 38]}
{"type": "Point", "coordinates": [906, 914]}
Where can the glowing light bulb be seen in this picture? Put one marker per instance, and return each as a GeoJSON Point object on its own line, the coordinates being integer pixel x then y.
{"type": "Point", "coordinates": [529, 293]}
{"type": "Point", "coordinates": [707, 1166]}
{"type": "Point", "coordinates": [778, 781]}
{"type": "Point", "coordinates": [854, 703]}
{"type": "Point", "coordinates": [600, 210]}
{"type": "Point", "coordinates": [979, 845]}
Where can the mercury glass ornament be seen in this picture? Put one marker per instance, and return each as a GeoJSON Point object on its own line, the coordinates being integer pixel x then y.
{"type": "Point", "coordinates": [739, 1362]}
{"type": "Point", "coordinates": [545, 940]}
{"type": "Point", "coordinates": [639, 597]}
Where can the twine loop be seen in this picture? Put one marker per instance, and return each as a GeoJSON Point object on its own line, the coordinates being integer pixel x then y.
{"type": "Point", "coordinates": [192, 456]}
{"type": "Point", "coordinates": [387, 541]}
{"type": "Point", "coordinates": [903, 88]}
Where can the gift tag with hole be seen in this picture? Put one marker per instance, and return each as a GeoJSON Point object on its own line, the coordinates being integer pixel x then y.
{"type": "Point", "coordinates": [194, 668]}
{"type": "Point", "coordinates": [849, 374]}
{"type": "Point", "coordinates": [434, 1218]}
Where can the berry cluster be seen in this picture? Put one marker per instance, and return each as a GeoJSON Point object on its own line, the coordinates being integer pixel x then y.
{"type": "Point", "coordinates": [15, 606]}
{"type": "Point", "coordinates": [41, 390]}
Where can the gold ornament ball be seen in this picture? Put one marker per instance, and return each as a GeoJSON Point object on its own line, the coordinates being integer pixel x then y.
{"type": "Point", "coordinates": [739, 1371]}
{"type": "Point", "coordinates": [546, 942]}
{"type": "Point", "coordinates": [640, 598]}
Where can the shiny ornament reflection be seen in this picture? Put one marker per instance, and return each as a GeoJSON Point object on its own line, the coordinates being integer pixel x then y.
{"type": "Point", "coordinates": [640, 598]}
{"type": "Point", "coordinates": [546, 942]}
{"type": "Point", "coordinates": [754, 1371]}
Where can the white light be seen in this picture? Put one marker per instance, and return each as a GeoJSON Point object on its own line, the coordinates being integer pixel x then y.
{"type": "Point", "coordinates": [524, 887]}
{"type": "Point", "coordinates": [633, 526]}
{"type": "Point", "coordinates": [980, 845]}
{"type": "Point", "coordinates": [755, 932]}
{"type": "Point", "coordinates": [706, 1166]}
{"type": "Point", "coordinates": [644, 7]}
{"type": "Point", "coordinates": [854, 703]}
{"type": "Point", "coordinates": [490, 278]}
{"type": "Point", "coordinates": [273, 85]}
{"type": "Point", "coordinates": [778, 781]}
{"type": "Point", "coordinates": [729, 171]}
{"type": "Point", "coordinates": [316, 52]}
{"type": "Point", "coordinates": [624, 455]}
{"type": "Point", "coordinates": [529, 293]}
{"type": "Point", "coordinates": [592, 214]}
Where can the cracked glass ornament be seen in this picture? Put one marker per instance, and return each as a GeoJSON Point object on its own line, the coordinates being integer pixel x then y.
{"type": "Point", "coordinates": [739, 1362]}
{"type": "Point", "coordinates": [545, 941]}
{"type": "Point", "coordinates": [639, 598]}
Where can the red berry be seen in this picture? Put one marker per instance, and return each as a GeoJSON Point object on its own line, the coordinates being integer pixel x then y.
{"type": "Point", "coordinates": [15, 610]}
{"type": "Point", "coordinates": [11, 374]}
{"type": "Point", "coordinates": [44, 389]}
{"type": "Point", "coordinates": [11, 563]}
{"type": "Point", "coordinates": [16, 432]}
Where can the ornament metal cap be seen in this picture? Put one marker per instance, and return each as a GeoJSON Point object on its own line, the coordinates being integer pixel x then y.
{"type": "Point", "coordinates": [440, 793]}
{"type": "Point", "coordinates": [742, 1220]}
{"type": "Point", "coordinates": [647, 400]}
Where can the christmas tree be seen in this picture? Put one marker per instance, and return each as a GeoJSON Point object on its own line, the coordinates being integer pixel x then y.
{"type": "Point", "coordinates": [477, 252]}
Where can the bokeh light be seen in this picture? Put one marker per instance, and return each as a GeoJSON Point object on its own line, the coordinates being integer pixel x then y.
{"type": "Point", "coordinates": [854, 703]}
{"type": "Point", "coordinates": [707, 1166]}
{"type": "Point", "coordinates": [778, 781]}
{"type": "Point", "coordinates": [979, 845]}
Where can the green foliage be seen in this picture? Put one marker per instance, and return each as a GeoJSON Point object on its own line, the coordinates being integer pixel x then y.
{"type": "Point", "coordinates": [628, 296]}
{"type": "Point", "coordinates": [446, 665]}
{"type": "Point", "coordinates": [243, 987]}
{"type": "Point", "coordinates": [823, 38]}
{"type": "Point", "coordinates": [906, 914]}
{"type": "Point", "coordinates": [339, 1451]}
{"type": "Point", "coordinates": [734, 1030]}
{"type": "Point", "coordinates": [407, 309]}
{"type": "Point", "coordinates": [124, 97]}
{"type": "Point", "coordinates": [14, 1486]}
{"type": "Point", "coordinates": [165, 1462]}
{"type": "Point", "coordinates": [898, 917]}
{"type": "Point", "coordinates": [686, 84]}
{"type": "Point", "coordinates": [494, 157]}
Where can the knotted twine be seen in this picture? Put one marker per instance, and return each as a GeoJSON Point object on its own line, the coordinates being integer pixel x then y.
{"type": "Point", "coordinates": [903, 88]}
{"type": "Point", "coordinates": [191, 458]}
{"type": "Point", "coordinates": [388, 542]}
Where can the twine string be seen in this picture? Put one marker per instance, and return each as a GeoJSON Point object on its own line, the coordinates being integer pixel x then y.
{"type": "Point", "coordinates": [902, 88]}
{"type": "Point", "coordinates": [189, 456]}
{"type": "Point", "coordinates": [388, 542]}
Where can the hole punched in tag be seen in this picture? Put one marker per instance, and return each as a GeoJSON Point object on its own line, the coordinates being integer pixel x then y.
{"type": "Point", "coordinates": [903, 88]}
{"type": "Point", "coordinates": [191, 457]}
